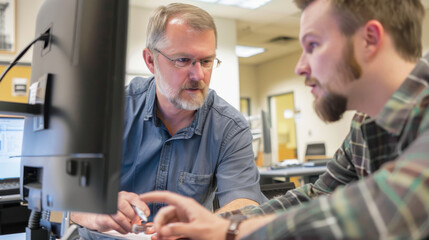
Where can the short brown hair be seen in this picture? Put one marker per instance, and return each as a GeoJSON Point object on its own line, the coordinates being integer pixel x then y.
{"type": "Point", "coordinates": [402, 19]}
{"type": "Point", "coordinates": [194, 16]}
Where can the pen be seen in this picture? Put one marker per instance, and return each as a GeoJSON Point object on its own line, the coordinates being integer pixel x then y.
{"type": "Point", "coordinates": [140, 213]}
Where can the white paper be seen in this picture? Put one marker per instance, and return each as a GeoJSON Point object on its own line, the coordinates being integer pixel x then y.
{"type": "Point", "coordinates": [139, 236]}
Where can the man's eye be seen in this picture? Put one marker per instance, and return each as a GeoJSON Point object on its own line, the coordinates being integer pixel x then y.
{"type": "Point", "coordinates": [207, 61]}
{"type": "Point", "coordinates": [183, 60]}
{"type": "Point", "coordinates": [311, 46]}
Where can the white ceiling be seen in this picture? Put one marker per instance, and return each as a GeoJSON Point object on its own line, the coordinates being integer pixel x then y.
{"type": "Point", "coordinates": [277, 19]}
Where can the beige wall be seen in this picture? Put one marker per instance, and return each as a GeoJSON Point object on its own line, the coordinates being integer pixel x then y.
{"type": "Point", "coordinates": [26, 13]}
{"type": "Point", "coordinates": [426, 33]}
{"type": "Point", "coordinates": [249, 87]}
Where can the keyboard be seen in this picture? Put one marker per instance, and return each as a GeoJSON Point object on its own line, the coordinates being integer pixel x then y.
{"type": "Point", "coordinates": [312, 163]}
{"type": "Point", "coordinates": [9, 187]}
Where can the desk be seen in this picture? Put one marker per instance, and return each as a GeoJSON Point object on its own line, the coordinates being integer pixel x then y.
{"type": "Point", "coordinates": [288, 172]}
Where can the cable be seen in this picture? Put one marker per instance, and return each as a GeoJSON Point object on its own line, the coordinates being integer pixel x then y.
{"type": "Point", "coordinates": [45, 37]}
{"type": "Point", "coordinates": [34, 220]}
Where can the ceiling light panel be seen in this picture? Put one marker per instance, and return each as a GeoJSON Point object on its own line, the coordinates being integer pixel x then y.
{"type": "Point", "coordinates": [245, 51]}
{"type": "Point", "coordinates": [251, 4]}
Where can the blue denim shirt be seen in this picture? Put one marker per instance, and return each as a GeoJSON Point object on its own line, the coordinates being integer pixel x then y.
{"type": "Point", "coordinates": [213, 151]}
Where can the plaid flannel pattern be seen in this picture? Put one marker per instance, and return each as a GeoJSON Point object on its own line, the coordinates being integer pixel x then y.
{"type": "Point", "coordinates": [380, 176]}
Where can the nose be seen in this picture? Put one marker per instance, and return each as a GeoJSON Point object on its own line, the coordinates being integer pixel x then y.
{"type": "Point", "coordinates": [196, 71]}
{"type": "Point", "coordinates": [302, 68]}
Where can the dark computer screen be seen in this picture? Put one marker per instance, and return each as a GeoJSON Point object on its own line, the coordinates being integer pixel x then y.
{"type": "Point", "coordinates": [71, 153]}
{"type": "Point", "coordinates": [11, 131]}
{"type": "Point", "coordinates": [266, 131]}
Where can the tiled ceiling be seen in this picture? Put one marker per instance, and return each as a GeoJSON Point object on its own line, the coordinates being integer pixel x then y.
{"type": "Point", "coordinates": [274, 26]}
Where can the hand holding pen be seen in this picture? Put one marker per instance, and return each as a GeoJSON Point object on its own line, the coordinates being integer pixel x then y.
{"type": "Point", "coordinates": [139, 228]}
{"type": "Point", "coordinates": [122, 221]}
{"type": "Point", "coordinates": [140, 213]}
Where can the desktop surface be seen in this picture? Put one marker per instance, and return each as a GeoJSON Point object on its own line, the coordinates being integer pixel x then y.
{"type": "Point", "coordinates": [292, 171]}
{"type": "Point", "coordinates": [309, 173]}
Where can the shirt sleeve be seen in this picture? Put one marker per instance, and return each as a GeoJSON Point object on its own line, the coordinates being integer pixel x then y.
{"type": "Point", "coordinates": [390, 204]}
{"type": "Point", "coordinates": [237, 175]}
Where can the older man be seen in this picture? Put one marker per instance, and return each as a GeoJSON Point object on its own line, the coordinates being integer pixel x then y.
{"type": "Point", "coordinates": [179, 135]}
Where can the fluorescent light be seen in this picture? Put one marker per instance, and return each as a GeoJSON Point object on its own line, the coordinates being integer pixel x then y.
{"type": "Point", "coordinates": [245, 51]}
{"type": "Point", "coordinates": [252, 4]}
{"type": "Point", "coordinates": [209, 1]}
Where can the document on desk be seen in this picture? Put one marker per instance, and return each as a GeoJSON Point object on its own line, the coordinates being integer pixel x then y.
{"type": "Point", "coordinates": [116, 235]}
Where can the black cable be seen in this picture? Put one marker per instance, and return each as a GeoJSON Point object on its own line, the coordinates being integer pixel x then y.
{"type": "Point", "coordinates": [44, 37]}
{"type": "Point", "coordinates": [34, 220]}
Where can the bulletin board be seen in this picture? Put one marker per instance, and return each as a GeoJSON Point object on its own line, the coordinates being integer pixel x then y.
{"type": "Point", "coordinates": [14, 87]}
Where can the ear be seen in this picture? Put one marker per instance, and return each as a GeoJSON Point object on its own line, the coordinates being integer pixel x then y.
{"type": "Point", "coordinates": [373, 37]}
{"type": "Point", "coordinates": [149, 59]}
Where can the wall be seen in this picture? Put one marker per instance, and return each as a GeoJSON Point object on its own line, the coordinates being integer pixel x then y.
{"type": "Point", "coordinates": [426, 33]}
{"type": "Point", "coordinates": [26, 13]}
{"type": "Point", "coordinates": [20, 74]}
{"type": "Point", "coordinates": [225, 79]}
{"type": "Point", "coordinates": [248, 87]}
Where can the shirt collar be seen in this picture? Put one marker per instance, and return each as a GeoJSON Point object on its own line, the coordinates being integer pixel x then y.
{"type": "Point", "coordinates": [200, 116]}
{"type": "Point", "coordinates": [395, 113]}
{"type": "Point", "coordinates": [150, 105]}
{"type": "Point", "coordinates": [202, 113]}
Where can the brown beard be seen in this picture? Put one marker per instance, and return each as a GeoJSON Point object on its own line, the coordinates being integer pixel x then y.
{"type": "Point", "coordinates": [332, 106]}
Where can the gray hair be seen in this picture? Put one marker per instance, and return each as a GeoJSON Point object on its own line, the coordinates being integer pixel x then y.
{"type": "Point", "coordinates": [194, 16]}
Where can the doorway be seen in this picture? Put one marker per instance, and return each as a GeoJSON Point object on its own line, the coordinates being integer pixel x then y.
{"type": "Point", "coordinates": [282, 114]}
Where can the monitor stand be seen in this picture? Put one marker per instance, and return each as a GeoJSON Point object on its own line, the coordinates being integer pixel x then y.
{"type": "Point", "coordinates": [41, 227]}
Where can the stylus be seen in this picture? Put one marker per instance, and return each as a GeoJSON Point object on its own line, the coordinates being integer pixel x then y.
{"type": "Point", "coordinates": [140, 213]}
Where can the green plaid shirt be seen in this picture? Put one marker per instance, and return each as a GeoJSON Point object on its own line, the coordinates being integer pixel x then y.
{"type": "Point", "coordinates": [380, 176]}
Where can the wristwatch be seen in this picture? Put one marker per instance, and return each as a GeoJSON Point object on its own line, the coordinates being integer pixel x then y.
{"type": "Point", "coordinates": [232, 232]}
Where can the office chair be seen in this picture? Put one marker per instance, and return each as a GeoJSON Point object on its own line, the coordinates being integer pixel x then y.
{"type": "Point", "coordinates": [276, 189]}
{"type": "Point", "coordinates": [315, 151]}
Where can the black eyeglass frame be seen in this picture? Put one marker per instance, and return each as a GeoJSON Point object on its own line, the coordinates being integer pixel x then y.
{"type": "Point", "coordinates": [215, 63]}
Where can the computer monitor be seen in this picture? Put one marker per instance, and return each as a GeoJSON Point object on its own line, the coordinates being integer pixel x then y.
{"type": "Point", "coordinates": [11, 131]}
{"type": "Point", "coordinates": [266, 131]}
{"type": "Point", "coordinates": [71, 154]}
{"type": "Point", "coordinates": [266, 137]}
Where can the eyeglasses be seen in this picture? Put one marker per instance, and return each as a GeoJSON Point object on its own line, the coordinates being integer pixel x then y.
{"type": "Point", "coordinates": [184, 62]}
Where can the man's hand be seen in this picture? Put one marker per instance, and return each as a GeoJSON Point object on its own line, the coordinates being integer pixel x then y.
{"type": "Point", "coordinates": [184, 217]}
{"type": "Point", "coordinates": [121, 222]}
